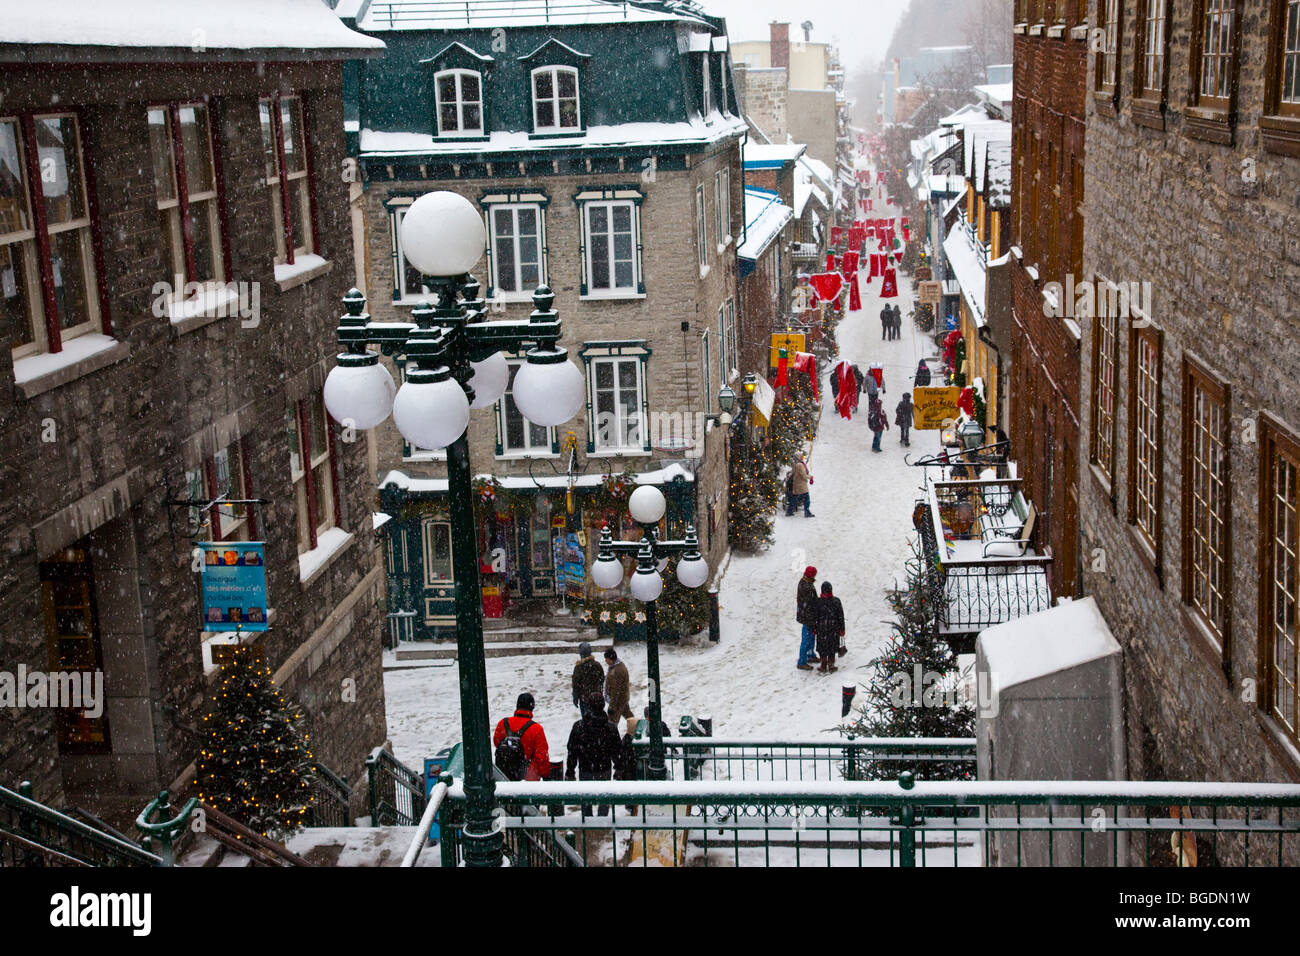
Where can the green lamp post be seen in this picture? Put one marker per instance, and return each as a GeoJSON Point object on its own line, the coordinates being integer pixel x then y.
{"type": "Point", "coordinates": [454, 362]}
{"type": "Point", "coordinates": [647, 507]}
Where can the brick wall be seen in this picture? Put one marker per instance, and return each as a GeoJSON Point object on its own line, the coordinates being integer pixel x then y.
{"type": "Point", "coordinates": [140, 413]}
{"type": "Point", "coordinates": [1165, 206]}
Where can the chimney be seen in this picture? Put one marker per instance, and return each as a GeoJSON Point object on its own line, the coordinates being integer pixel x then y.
{"type": "Point", "coordinates": [780, 45]}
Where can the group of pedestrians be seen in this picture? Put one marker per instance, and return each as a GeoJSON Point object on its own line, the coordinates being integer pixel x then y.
{"type": "Point", "coordinates": [891, 322]}
{"type": "Point", "coordinates": [822, 638]}
{"type": "Point", "coordinates": [596, 750]}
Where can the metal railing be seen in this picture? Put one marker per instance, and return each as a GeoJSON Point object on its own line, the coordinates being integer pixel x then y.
{"type": "Point", "coordinates": [903, 823]}
{"type": "Point", "coordinates": [396, 791]}
{"type": "Point", "coordinates": [32, 834]}
{"type": "Point", "coordinates": [716, 758]}
{"type": "Point", "coordinates": [460, 13]}
{"type": "Point", "coordinates": [331, 799]}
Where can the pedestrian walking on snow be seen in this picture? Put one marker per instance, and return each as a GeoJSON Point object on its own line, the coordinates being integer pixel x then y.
{"type": "Point", "coordinates": [805, 614]}
{"type": "Point", "coordinates": [886, 316]}
{"type": "Point", "coordinates": [588, 679]}
{"type": "Point", "coordinates": [829, 629]}
{"type": "Point", "coordinates": [877, 372]}
{"type": "Point", "coordinates": [898, 322]}
{"type": "Point", "coordinates": [520, 742]}
{"type": "Point", "coordinates": [593, 747]}
{"type": "Point", "coordinates": [859, 378]}
{"type": "Point", "coordinates": [903, 417]}
{"type": "Point", "coordinates": [878, 422]}
{"type": "Point", "coordinates": [800, 480]}
{"type": "Point", "coordinates": [617, 688]}
{"type": "Point", "coordinates": [922, 378]}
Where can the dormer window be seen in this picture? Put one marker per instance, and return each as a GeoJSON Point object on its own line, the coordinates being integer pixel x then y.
{"type": "Point", "coordinates": [556, 107]}
{"type": "Point", "coordinates": [460, 103]}
{"type": "Point", "coordinates": [707, 86]}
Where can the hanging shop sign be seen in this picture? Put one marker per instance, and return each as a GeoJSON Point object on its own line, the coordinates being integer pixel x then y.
{"type": "Point", "coordinates": [931, 293]}
{"type": "Point", "coordinates": [933, 405]}
{"type": "Point", "coordinates": [233, 582]}
{"type": "Point", "coordinates": [790, 341]}
{"type": "Point", "coordinates": [575, 571]}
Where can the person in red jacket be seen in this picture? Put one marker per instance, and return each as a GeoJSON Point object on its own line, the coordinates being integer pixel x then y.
{"type": "Point", "coordinates": [533, 741]}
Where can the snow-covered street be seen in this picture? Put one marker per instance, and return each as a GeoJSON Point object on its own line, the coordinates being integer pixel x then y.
{"type": "Point", "coordinates": [748, 682]}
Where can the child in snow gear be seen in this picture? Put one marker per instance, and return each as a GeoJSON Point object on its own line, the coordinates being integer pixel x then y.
{"type": "Point", "coordinates": [522, 752]}
{"type": "Point", "coordinates": [829, 628]}
{"type": "Point", "coordinates": [903, 416]}
{"type": "Point", "coordinates": [805, 614]}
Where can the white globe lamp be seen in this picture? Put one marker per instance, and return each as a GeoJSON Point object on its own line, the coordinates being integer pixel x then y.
{"type": "Point", "coordinates": [692, 571]}
{"type": "Point", "coordinates": [491, 376]}
{"type": "Point", "coordinates": [430, 410]}
{"type": "Point", "coordinates": [359, 391]}
{"type": "Point", "coordinates": [647, 505]}
{"type": "Point", "coordinates": [442, 234]}
{"type": "Point", "coordinates": [549, 389]}
{"type": "Point", "coordinates": [647, 585]}
{"type": "Point", "coordinates": [607, 572]}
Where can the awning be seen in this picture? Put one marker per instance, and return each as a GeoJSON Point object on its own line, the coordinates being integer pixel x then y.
{"type": "Point", "coordinates": [764, 399]}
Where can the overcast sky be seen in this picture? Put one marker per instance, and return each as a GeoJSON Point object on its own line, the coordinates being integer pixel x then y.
{"type": "Point", "coordinates": [860, 29]}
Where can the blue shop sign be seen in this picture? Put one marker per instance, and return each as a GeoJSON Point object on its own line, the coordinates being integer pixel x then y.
{"type": "Point", "coordinates": [233, 581]}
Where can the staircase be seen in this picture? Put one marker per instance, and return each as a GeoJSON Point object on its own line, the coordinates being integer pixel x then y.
{"type": "Point", "coordinates": [513, 637]}
{"type": "Point", "coordinates": [227, 842]}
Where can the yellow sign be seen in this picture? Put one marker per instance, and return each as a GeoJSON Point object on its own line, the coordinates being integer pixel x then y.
{"type": "Point", "coordinates": [790, 341]}
{"type": "Point", "coordinates": [933, 405]}
{"type": "Point", "coordinates": [931, 293]}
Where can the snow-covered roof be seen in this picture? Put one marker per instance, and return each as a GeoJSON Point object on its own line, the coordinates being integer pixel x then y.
{"type": "Point", "coordinates": [964, 115]}
{"type": "Point", "coordinates": [998, 184]}
{"type": "Point", "coordinates": [771, 155]}
{"type": "Point", "coordinates": [483, 14]}
{"type": "Point", "coordinates": [765, 217]}
{"type": "Point", "coordinates": [189, 30]}
{"type": "Point", "coordinates": [820, 171]}
{"type": "Point", "coordinates": [805, 187]}
{"type": "Point", "coordinates": [997, 95]}
{"type": "Point", "coordinates": [968, 262]}
{"type": "Point", "coordinates": [989, 131]}
{"type": "Point", "coordinates": [1048, 642]}
{"type": "Point", "coordinates": [695, 130]}
{"type": "Point", "coordinates": [660, 476]}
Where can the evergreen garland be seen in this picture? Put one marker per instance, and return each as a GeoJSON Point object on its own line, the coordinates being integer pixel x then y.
{"type": "Point", "coordinates": [891, 695]}
{"type": "Point", "coordinates": [254, 765]}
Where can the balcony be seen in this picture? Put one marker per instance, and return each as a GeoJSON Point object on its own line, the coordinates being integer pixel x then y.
{"type": "Point", "coordinates": [980, 535]}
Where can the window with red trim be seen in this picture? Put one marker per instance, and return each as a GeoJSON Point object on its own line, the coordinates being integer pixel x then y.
{"type": "Point", "coordinates": [226, 476]}
{"type": "Point", "coordinates": [314, 470]}
{"type": "Point", "coordinates": [185, 180]}
{"type": "Point", "coordinates": [48, 291]}
{"type": "Point", "coordinates": [284, 149]}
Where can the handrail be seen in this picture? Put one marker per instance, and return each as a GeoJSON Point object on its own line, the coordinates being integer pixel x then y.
{"type": "Point", "coordinates": [858, 743]}
{"type": "Point", "coordinates": [253, 844]}
{"type": "Point", "coordinates": [421, 838]}
{"type": "Point", "coordinates": [117, 850]}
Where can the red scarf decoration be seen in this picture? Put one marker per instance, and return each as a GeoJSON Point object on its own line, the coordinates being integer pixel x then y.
{"type": "Point", "coordinates": [850, 263]}
{"type": "Point", "coordinates": [827, 285]}
{"type": "Point", "coordinates": [830, 262]}
{"type": "Point", "coordinates": [855, 299]}
{"type": "Point", "coordinates": [847, 389]}
{"type": "Point", "coordinates": [966, 401]}
{"type": "Point", "coordinates": [878, 373]}
{"type": "Point", "coordinates": [889, 290]}
{"type": "Point", "coordinates": [806, 362]}
{"type": "Point", "coordinates": [837, 235]}
{"type": "Point", "coordinates": [907, 232]}
{"type": "Point", "coordinates": [857, 235]}
{"type": "Point", "coordinates": [782, 367]}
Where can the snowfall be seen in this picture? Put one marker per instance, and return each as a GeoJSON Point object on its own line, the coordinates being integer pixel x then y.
{"type": "Point", "coordinates": [859, 540]}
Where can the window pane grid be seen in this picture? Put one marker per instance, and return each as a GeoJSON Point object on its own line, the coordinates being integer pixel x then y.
{"type": "Point", "coordinates": [1207, 506]}
{"type": "Point", "coordinates": [1290, 93]}
{"type": "Point", "coordinates": [1282, 586]}
{"type": "Point", "coordinates": [618, 404]}
{"type": "Point", "coordinates": [1217, 27]}
{"type": "Point", "coordinates": [1108, 56]}
{"type": "Point", "coordinates": [1153, 58]}
{"type": "Point", "coordinates": [1103, 418]}
{"type": "Point", "coordinates": [516, 247]}
{"type": "Point", "coordinates": [1146, 441]}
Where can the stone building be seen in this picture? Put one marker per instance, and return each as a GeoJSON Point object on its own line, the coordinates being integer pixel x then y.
{"type": "Point", "coordinates": [175, 250]}
{"type": "Point", "coordinates": [602, 143]}
{"type": "Point", "coordinates": [1047, 229]}
{"type": "Point", "coordinates": [1190, 427]}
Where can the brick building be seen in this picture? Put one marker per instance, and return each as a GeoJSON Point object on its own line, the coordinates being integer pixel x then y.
{"type": "Point", "coordinates": [1188, 501]}
{"type": "Point", "coordinates": [1047, 228]}
{"type": "Point", "coordinates": [176, 244]}
{"type": "Point", "coordinates": [602, 143]}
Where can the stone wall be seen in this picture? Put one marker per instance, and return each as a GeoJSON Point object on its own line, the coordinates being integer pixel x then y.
{"type": "Point", "coordinates": [145, 416]}
{"type": "Point", "coordinates": [765, 95]}
{"type": "Point", "coordinates": [1212, 227]}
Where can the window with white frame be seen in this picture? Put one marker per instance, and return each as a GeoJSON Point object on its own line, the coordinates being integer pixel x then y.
{"type": "Point", "coordinates": [409, 284]}
{"type": "Point", "coordinates": [556, 106]}
{"type": "Point", "coordinates": [460, 102]}
{"type": "Point", "coordinates": [312, 469]}
{"type": "Point", "coordinates": [516, 242]}
{"type": "Point", "coordinates": [724, 362]}
{"type": "Point", "coordinates": [1145, 479]}
{"type": "Point", "coordinates": [1206, 513]}
{"type": "Point", "coordinates": [701, 228]}
{"type": "Point", "coordinates": [284, 149]}
{"type": "Point", "coordinates": [617, 399]}
{"type": "Point", "coordinates": [611, 246]}
{"type": "Point", "coordinates": [706, 363]}
{"type": "Point", "coordinates": [722, 63]}
{"type": "Point", "coordinates": [47, 288]}
{"type": "Point", "coordinates": [706, 85]}
{"type": "Point", "coordinates": [519, 436]}
{"type": "Point", "coordinates": [1279, 531]}
{"type": "Point", "coordinates": [732, 348]}
{"type": "Point", "coordinates": [184, 172]}
{"type": "Point", "coordinates": [223, 476]}
{"type": "Point", "coordinates": [722, 206]}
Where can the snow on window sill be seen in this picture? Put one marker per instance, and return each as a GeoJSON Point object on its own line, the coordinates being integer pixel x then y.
{"type": "Point", "coordinates": [82, 355]}
{"type": "Point", "coordinates": [601, 296]}
{"type": "Point", "coordinates": [624, 452]}
{"type": "Point", "coordinates": [526, 455]}
{"type": "Point", "coordinates": [304, 269]}
{"type": "Point", "coordinates": [704, 272]}
{"type": "Point", "coordinates": [329, 545]}
{"type": "Point", "coordinates": [219, 301]}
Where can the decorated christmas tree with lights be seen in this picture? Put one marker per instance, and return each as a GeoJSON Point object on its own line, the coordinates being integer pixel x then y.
{"type": "Point", "coordinates": [755, 490]}
{"type": "Point", "coordinates": [912, 690]}
{"type": "Point", "coordinates": [254, 765]}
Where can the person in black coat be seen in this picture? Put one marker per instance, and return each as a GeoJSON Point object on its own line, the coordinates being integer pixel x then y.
{"type": "Point", "coordinates": [886, 318]}
{"type": "Point", "coordinates": [903, 416]}
{"type": "Point", "coordinates": [829, 629]}
{"type": "Point", "coordinates": [593, 747]}
{"type": "Point", "coordinates": [922, 374]}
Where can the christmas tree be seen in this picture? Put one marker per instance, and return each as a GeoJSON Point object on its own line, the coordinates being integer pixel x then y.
{"type": "Point", "coordinates": [913, 688]}
{"type": "Point", "coordinates": [254, 765]}
{"type": "Point", "coordinates": [755, 490]}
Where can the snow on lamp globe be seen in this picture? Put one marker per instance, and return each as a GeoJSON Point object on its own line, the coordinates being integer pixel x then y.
{"type": "Point", "coordinates": [359, 391]}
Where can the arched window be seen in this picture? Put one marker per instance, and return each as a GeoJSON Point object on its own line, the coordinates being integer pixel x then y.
{"type": "Point", "coordinates": [460, 102]}
{"type": "Point", "coordinates": [556, 106]}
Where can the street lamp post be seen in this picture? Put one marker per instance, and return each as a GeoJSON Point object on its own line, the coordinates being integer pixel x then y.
{"type": "Point", "coordinates": [647, 507]}
{"type": "Point", "coordinates": [454, 362]}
